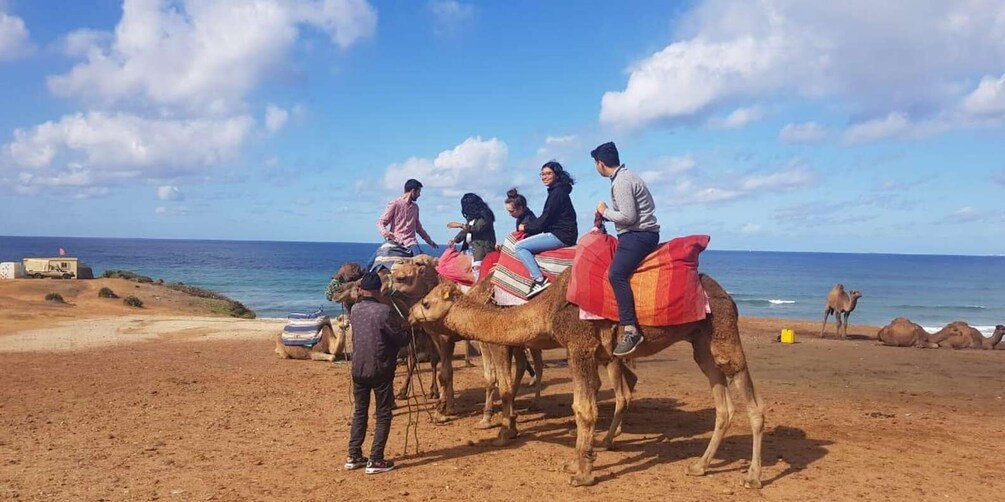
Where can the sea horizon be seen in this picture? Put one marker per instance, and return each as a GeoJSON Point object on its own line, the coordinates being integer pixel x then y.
{"type": "Point", "coordinates": [275, 278]}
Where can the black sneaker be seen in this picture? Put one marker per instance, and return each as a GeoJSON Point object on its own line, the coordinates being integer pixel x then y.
{"type": "Point", "coordinates": [538, 286]}
{"type": "Point", "coordinates": [379, 466]}
{"type": "Point", "coordinates": [353, 463]}
{"type": "Point", "coordinates": [630, 340]}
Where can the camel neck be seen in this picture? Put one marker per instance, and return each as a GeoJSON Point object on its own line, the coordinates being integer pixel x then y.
{"type": "Point", "coordinates": [492, 324]}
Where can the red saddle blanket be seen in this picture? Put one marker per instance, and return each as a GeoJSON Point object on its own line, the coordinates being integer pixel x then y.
{"type": "Point", "coordinates": [666, 284]}
{"type": "Point", "coordinates": [511, 276]}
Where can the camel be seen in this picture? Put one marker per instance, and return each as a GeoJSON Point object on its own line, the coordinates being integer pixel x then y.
{"type": "Point", "coordinates": [840, 303]}
{"type": "Point", "coordinates": [902, 332]}
{"type": "Point", "coordinates": [960, 335]}
{"type": "Point", "coordinates": [332, 343]}
{"type": "Point", "coordinates": [549, 321]}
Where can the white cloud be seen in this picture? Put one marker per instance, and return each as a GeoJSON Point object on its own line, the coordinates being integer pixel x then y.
{"type": "Point", "coordinates": [807, 132]}
{"type": "Point", "coordinates": [450, 15]}
{"type": "Point", "coordinates": [988, 98]}
{"type": "Point", "coordinates": [107, 147]}
{"type": "Point", "coordinates": [872, 59]}
{"type": "Point", "coordinates": [14, 40]}
{"type": "Point", "coordinates": [789, 178]}
{"type": "Point", "coordinates": [691, 189]}
{"type": "Point", "coordinates": [199, 55]}
{"type": "Point", "coordinates": [893, 124]}
{"type": "Point", "coordinates": [275, 118]}
{"type": "Point", "coordinates": [556, 146]}
{"type": "Point", "coordinates": [169, 192]}
{"type": "Point", "coordinates": [170, 211]}
{"type": "Point", "coordinates": [750, 229]}
{"type": "Point", "coordinates": [560, 140]}
{"type": "Point", "coordinates": [966, 214]}
{"type": "Point", "coordinates": [666, 169]}
{"type": "Point", "coordinates": [738, 118]}
{"type": "Point", "coordinates": [475, 163]}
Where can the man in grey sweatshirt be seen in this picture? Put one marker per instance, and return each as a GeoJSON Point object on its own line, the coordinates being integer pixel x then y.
{"type": "Point", "coordinates": [633, 213]}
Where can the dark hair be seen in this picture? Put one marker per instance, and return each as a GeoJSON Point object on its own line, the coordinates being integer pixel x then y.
{"type": "Point", "coordinates": [472, 206]}
{"type": "Point", "coordinates": [561, 174]}
{"type": "Point", "coordinates": [412, 185]}
{"type": "Point", "coordinates": [514, 197]}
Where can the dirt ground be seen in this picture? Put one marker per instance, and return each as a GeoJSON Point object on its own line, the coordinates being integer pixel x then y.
{"type": "Point", "coordinates": [192, 417]}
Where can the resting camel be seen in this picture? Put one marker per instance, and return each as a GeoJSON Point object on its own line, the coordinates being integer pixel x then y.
{"type": "Point", "coordinates": [902, 332]}
{"type": "Point", "coordinates": [332, 343]}
{"type": "Point", "coordinates": [549, 321]}
{"type": "Point", "coordinates": [960, 335]}
{"type": "Point", "coordinates": [840, 303]}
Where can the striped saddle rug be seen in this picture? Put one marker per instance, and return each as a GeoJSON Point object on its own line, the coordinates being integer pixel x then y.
{"type": "Point", "coordinates": [510, 279]}
{"type": "Point", "coordinates": [304, 330]}
{"type": "Point", "coordinates": [666, 284]}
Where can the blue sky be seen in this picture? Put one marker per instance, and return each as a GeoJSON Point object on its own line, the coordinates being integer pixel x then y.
{"type": "Point", "coordinates": [769, 125]}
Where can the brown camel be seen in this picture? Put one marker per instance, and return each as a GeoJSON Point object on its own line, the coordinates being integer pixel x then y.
{"type": "Point", "coordinates": [902, 332]}
{"type": "Point", "coordinates": [960, 335]}
{"type": "Point", "coordinates": [840, 304]}
{"type": "Point", "coordinates": [549, 321]}
{"type": "Point", "coordinates": [332, 343]}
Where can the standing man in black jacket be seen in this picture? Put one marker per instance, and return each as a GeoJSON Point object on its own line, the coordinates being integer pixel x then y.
{"type": "Point", "coordinates": [375, 351]}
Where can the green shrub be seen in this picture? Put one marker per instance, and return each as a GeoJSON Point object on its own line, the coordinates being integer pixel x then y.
{"type": "Point", "coordinates": [132, 301]}
{"type": "Point", "coordinates": [107, 293]}
{"type": "Point", "coordinates": [127, 275]}
{"type": "Point", "coordinates": [54, 298]}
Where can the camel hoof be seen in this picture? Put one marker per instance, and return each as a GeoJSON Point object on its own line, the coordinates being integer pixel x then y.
{"type": "Point", "coordinates": [696, 470]}
{"type": "Point", "coordinates": [505, 437]}
{"type": "Point", "coordinates": [449, 410]}
{"type": "Point", "coordinates": [753, 484]}
{"type": "Point", "coordinates": [434, 395]}
{"type": "Point", "coordinates": [605, 446]}
{"type": "Point", "coordinates": [485, 423]}
{"type": "Point", "coordinates": [580, 480]}
{"type": "Point", "coordinates": [440, 419]}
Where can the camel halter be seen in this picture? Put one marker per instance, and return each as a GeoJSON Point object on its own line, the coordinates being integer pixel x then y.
{"type": "Point", "coordinates": [413, 398]}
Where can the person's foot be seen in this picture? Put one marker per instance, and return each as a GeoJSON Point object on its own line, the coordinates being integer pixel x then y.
{"type": "Point", "coordinates": [538, 286]}
{"type": "Point", "coordinates": [353, 463]}
{"type": "Point", "coordinates": [630, 340]}
{"type": "Point", "coordinates": [379, 466]}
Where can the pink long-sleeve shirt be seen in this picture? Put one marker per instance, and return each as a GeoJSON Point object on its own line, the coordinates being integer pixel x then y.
{"type": "Point", "coordinates": [403, 217]}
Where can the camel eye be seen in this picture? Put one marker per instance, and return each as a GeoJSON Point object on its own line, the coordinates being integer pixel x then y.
{"type": "Point", "coordinates": [425, 304]}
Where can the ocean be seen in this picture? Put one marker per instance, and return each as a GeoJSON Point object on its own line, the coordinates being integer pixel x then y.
{"type": "Point", "coordinates": [276, 278]}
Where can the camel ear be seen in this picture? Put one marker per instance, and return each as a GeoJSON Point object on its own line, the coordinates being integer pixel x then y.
{"type": "Point", "coordinates": [446, 294]}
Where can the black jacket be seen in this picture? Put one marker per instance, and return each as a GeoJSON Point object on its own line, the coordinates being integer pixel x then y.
{"type": "Point", "coordinates": [527, 217]}
{"type": "Point", "coordinates": [483, 237]}
{"type": "Point", "coordinates": [375, 341]}
{"type": "Point", "coordinates": [558, 216]}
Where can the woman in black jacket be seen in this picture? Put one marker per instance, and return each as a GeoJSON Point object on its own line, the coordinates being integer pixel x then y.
{"type": "Point", "coordinates": [555, 228]}
{"type": "Point", "coordinates": [479, 233]}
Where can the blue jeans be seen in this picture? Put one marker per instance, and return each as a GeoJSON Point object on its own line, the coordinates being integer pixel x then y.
{"type": "Point", "coordinates": [527, 248]}
{"type": "Point", "coordinates": [633, 247]}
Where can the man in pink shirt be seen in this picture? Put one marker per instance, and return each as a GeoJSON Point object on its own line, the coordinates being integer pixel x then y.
{"type": "Point", "coordinates": [402, 215]}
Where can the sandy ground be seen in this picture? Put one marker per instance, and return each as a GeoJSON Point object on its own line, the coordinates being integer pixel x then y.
{"type": "Point", "coordinates": [202, 409]}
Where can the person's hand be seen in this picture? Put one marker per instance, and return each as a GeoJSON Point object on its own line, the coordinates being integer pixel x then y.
{"type": "Point", "coordinates": [454, 224]}
{"type": "Point", "coordinates": [451, 243]}
{"type": "Point", "coordinates": [601, 207]}
{"type": "Point", "coordinates": [435, 245]}
{"type": "Point", "coordinates": [521, 228]}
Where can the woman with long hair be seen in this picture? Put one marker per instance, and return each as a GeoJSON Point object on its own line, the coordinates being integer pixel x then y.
{"type": "Point", "coordinates": [555, 228]}
{"type": "Point", "coordinates": [478, 233]}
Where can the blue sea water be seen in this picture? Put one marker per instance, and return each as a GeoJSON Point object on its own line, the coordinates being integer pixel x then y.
{"type": "Point", "coordinates": [275, 278]}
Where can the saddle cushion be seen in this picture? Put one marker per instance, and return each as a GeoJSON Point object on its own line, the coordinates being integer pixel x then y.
{"type": "Point", "coordinates": [456, 266]}
{"type": "Point", "coordinates": [666, 284]}
{"type": "Point", "coordinates": [304, 330]}
{"type": "Point", "coordinates": [510, 279]}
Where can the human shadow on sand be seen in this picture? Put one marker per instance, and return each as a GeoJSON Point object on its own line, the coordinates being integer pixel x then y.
{"type": "Point", "coordinates": [668, 436]}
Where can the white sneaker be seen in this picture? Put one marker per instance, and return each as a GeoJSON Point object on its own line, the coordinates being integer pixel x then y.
{"type": "Point", "coordinates": [537, 287]}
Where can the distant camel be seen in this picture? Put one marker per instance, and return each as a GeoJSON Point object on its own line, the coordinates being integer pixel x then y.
{"type": "Point", "coordinates": [901, 332]}
{"type": "Point", "coordinates": [332, 343]}
{"type": "Point", "coordinates": [960, 335]}
{"type": "Point", "coordinates": [840, 303]}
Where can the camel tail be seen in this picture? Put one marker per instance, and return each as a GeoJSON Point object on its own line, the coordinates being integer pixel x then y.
{"type": "Point", "coordinates": [629, 375]}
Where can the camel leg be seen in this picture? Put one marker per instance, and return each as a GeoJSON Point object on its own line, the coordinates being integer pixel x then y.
{"type": "Point", "coordinates": [488, 371]}
{"type": "Point", "coordinates": [504, 377]}
{"type": "Point", "coordinates": [837, 319]}
{"type": "Point", "coordinates": [586, 383]}
{"type": "Point", "coordinates": [755, 410]}
{"type": "Point", "coordinates": [445, 345]}
{"type": "Point", "coordinates": [845, 325]}
{"type": "Point", "coordinates": [723, 405]}
{"type": "Point", "coordinates": [321, 356]}
{"type": "Point", "coordinates": [538, 357]}
{"type": "Point", "coordinates": [827, 313]}
{"type": "Point", "coordinates": [520, 357]}
{"type": "Point", "coordinates": [434, 385]}
{"type": "Point", "coordinates": [622, 396]}
{"type": "Point", "coordinates": [411, 363]}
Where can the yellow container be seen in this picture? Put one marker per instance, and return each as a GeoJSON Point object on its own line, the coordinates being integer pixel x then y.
{"type": "Point", "coordinates": [788, 336]}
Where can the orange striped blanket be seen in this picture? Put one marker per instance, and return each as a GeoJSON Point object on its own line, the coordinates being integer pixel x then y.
{"type": "Point", "coordinates": [666, 284]}
{"type": "Point", "coordinates": [510, 279]}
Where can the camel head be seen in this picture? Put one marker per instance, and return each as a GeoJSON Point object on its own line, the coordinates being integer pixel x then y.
{"type": "Point", "coordinates": [855, 294]}
{"type": "Point", "coordinates": [434, 306]}
{"type": "Point", "coordinates": [414, 278]}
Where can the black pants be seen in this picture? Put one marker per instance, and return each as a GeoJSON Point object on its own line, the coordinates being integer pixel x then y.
{"type": "Point", "coordinates": [384, 400]}
{"type": "Point", "coordinates": [633, 247]}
